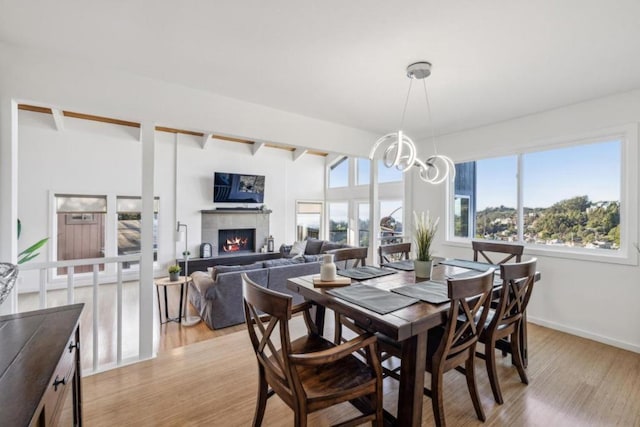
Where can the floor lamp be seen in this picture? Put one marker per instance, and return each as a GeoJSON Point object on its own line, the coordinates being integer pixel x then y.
{"type": "Point", "coordinates": [183, 236]}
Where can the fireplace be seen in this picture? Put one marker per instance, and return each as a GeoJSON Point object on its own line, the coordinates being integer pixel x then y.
{"type": "Point", "coordinates": [217, 220]}
{"type": "Point", "coordinates": [234, 241]}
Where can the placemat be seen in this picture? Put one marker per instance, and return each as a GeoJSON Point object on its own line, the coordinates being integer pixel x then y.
{"type": "Point", "coordinates": [431, 292]}
{"type": "Point", "coordinates": [374, 299]}
{"type": "Point", "coordinates": [365, 272]}
{"type": "Point", "coordinates": [471, 265]}
{"type": "Point", "coordinates": [404, 265]}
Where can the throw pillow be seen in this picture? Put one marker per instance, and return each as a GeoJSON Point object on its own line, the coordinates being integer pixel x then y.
{"type": "Point", "coordinates": [329, 246]}
{"type": "Point", "coordinates": [313, 246]}
{"type": "Point", "coordinates": [298, 248]}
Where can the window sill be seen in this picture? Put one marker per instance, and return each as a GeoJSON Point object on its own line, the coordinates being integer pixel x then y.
{"type": "Point", "coordinates": [592, 255]}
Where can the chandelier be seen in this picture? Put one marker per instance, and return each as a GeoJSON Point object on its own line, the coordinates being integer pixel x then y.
{"type": "Point", "coordinates": [401, 150]}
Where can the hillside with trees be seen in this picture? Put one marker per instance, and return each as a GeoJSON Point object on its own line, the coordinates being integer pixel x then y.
{"type": "Point", "coordinates": [572, 222]}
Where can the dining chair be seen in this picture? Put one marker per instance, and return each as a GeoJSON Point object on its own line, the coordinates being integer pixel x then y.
{"type": "Point", "coordinates": [309, 373]}
{"type": "Point", "coordinates": [393, 252]}
{"type": "Point", "coordinates": [349, 257]}
{"type": "Point", "coordinates": [453, 344]}
{"type": "Point", "coordinates": [483, 248]}
{"type": "Point", "coordinates": [503, 327]}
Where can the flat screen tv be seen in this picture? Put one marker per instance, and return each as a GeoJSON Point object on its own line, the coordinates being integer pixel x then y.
{"type": "Point", "coordinates": [238, 188]}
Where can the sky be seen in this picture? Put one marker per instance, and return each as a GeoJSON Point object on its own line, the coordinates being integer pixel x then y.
{"type": "Point", "coordinates": [552, 175]}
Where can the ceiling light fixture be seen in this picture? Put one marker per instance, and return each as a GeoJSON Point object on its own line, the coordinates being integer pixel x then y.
{"type": "Point", "coordinates": [401, 150]}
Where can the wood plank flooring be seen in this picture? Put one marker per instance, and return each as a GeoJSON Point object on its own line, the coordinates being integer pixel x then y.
{"type": "Point", "coordinates": [573, 382]}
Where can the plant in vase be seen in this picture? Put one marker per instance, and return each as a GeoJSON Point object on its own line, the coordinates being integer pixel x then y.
{"type": "Point", "coordinates": [174, 272]}
{"type": "Point", "coordinates": [425, 232]}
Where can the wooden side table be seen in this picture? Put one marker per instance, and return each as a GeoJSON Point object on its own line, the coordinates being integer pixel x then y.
{"type": "Point", "coordinates": [165, 282]}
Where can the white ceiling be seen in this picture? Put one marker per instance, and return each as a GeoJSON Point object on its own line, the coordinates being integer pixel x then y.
{"type": "Point", "coordinates": [344, 61]}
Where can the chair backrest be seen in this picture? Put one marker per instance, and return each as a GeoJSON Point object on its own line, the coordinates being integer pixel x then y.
{"type": "Point", "coordinates": [259, 301]}
{"type": "Point", "coordinates": [470, 302]}
{"type": "Point", "coordinates": [349, 257]}
{"type": "Point", "coordinates": [517, 285]}
{"type": "Point", "coordinates": [394, 252]}
{"type": "Point", "coordinates": [512, 251]}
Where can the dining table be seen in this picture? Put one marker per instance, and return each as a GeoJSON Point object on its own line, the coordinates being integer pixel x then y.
{"type": "Point", "coordinates": [407, 325]}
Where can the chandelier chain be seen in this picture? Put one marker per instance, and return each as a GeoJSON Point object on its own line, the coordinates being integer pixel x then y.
{"type": "Point", "coordinates": [433, 133]}
{"type": "Point", "coordinates": [406, 102]}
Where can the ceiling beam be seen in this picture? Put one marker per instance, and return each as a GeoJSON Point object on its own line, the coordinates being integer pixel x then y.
{"type": "Point", "coordinates": [205, 138]}
{"type": "Point", "coordinates": [58, 119]}
{"type": "Point", "coordinates": [257, 146]}
{"type": "Point", "coordinates": [298, 152]}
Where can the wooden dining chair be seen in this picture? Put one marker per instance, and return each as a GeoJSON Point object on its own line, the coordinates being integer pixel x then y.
{"type": "Point", "coordinates": [349, 257]}
{"type": "Point", "coordinates": [503, 327]}
{"type": "Point", "coordinates": [309, 373]}
{"type": "Point", "coordinates": [485, 248]}
{"type": "Point", "coordinates": [393, 252]}
{"type": "Point", "coordinates": [454, 344]}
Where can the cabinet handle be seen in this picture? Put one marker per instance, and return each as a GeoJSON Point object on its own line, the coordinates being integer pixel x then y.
{"type": "Point", "coordinates": [57, 382]}
{"type": "Point", "coordinates": [72, 346]}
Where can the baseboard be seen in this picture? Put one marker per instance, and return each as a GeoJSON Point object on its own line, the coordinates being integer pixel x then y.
{"type": "Point", "coordinates": [584, 334]}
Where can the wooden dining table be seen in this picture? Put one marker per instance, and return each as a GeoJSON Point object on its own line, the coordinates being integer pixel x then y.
{"type": "Point", "coordinates": [408, 326]}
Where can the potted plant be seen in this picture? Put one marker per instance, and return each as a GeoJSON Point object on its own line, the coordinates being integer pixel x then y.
{"type": "Point", "coordinates": [174, 272]}
{"type": "Point", "coordinates": [425, 231]}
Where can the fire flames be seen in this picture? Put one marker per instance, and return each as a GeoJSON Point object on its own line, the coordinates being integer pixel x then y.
{"type": "Point", "coordinates": [235, 244]}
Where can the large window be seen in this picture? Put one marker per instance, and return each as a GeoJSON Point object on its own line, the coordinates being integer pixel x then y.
{"type": "Point", "coordinates": [81, 229]}
{"type": "Point", "coordinates": [363, 224]}
{"type": "Point", "coordinates": [338, 222]}
{"type": "Point", "coordinates": [385, 174]}
{"type": "Point", "coordinates": [339, 173]}
{"type": "Point", "coordinates": [129, 212]}
{"type": "Point", "coordinates": [308, 220]}
{"type": "Point", "coordinates": [570, 197]}
{"type": "Point", "coordinates": [391, 226]}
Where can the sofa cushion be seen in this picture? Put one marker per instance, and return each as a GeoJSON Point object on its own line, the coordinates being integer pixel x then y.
{"type": "Point", "coordinates": [298, 248]}
{"type": "Point", "coordinates": [313, 246]}
{"type": "Point", "coordinates": [282, 261]}
{"type": "Point", "coordinates": [312, 258]}
{"type": "Point", "coordinates": [219, 269]}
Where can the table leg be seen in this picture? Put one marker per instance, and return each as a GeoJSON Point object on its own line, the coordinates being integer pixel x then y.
{"type": "Point", "coordinates": [166, 305]}
{"type": "Point", "coordinates": [319, 318]}
{"type": "Point", "coordinates": [410, 393]}
{"type": "Point", "coordinates": [159, 309]}
{"type": "Point", "coordinates": [180, 306]}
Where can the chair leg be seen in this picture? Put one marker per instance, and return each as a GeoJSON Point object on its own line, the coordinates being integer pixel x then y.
{"type": "Point", "coordinates": [436, 397]}
{"type": "Point", "coordinates": [376, 403]}
{"type": "Point", "coordinates": [517, 357]}
{"type": "Point", "coordinates": [490, 359]}
{"type": "Point", "coordinates": [471, 383]}
{"type": "Point", "coordinates": [261, 404]}
{"type": "Point", "coordinates": [300, 418]}
{"type": "Point", "coordinates": [337, 333]}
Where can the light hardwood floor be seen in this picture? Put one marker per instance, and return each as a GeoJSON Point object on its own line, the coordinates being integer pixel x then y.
{"type": "Point", "coordinates": [205, 377]}
{"type": "Point", "coordinates": [573, 382]}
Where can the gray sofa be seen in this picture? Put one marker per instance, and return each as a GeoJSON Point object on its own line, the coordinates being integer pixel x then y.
{"type": "Point", "coordinates": [314, 247]}
{"type": "Point", "coordinates": [219, 300]}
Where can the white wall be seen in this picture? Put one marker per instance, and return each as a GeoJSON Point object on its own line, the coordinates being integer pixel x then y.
{"type": "Point", "coordinates": [597, 300]}
{"type": "Point", "coordinates": [104, 159]}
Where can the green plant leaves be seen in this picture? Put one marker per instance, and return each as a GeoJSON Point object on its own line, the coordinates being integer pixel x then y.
{"type": "Point", "coordinates": [30, 253]}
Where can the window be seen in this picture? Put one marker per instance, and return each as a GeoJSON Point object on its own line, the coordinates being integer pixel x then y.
{"type": "Point", "coordinates": [338, 222]}
{"type": "Point", "coordinates": [81, 229]}
{"type": "Point", "coordinates": [339, 173]}
{"type": "Point", "coordinates": [308, 220]}
{"type": "Point", "coordinates": [363, 224]}
{"type": "Point", "coordinates": [129, 212]}
{"type": "Point", "coordinates": [570, 197]}
{"type": "Point", "coordinates": [363, 167]}
{"type": "Point", "coordinates": [391, 221]}
{"type": "Point", "coordinates": [386, 174]}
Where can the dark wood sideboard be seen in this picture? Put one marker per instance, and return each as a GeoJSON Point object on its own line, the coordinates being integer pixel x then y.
{"type": "Point", "coordinates": [40, 366]}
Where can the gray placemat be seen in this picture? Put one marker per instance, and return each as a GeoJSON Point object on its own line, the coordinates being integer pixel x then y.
{"type": "Point", "coordinates": [471, 265]}
{"type": "Point", "coordinates": [404, 265]}
{"type": "Point", "coordinates": [365, 272]}
{"type": "Point", "coordinates": [374, 299]}
{"type": "Point", "coordinates": [431, 292]}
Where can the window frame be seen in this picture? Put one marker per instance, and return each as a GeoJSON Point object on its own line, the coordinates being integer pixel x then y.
{"type": "Point", "coordinates": [627, 254]}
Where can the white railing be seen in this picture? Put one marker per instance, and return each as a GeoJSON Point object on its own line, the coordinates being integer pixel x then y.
{"type": "Point", "coordinates": [97, 278]}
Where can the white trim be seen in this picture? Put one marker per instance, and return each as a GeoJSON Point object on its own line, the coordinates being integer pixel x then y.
{"type": "Point", "coordinates": [584, 334]}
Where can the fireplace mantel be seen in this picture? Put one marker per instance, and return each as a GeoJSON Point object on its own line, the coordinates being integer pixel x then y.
{"type": "Point", "coordinates": [216, 219]}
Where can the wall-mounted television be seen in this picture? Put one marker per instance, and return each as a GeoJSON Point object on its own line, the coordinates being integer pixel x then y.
{"type": "Point", "coordinates": [238, 188]}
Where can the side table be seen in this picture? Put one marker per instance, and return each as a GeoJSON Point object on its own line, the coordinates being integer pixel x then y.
{"type": "Point", "coordinates": [165, 282]}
